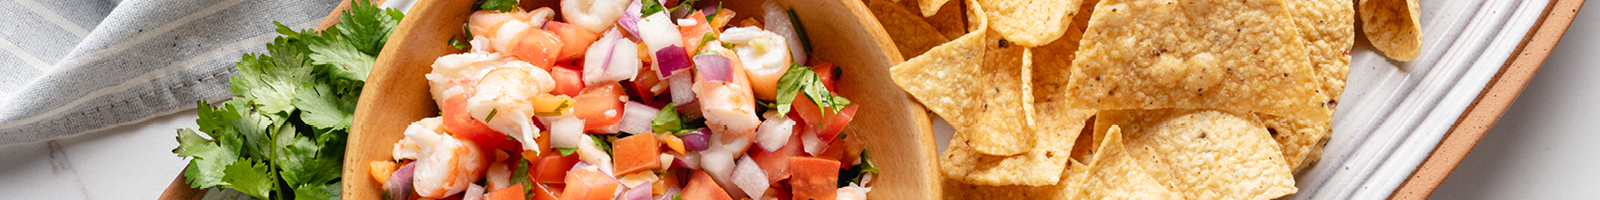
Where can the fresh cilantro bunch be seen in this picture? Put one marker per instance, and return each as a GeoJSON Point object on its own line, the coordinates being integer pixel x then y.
{"type": "Point", "coordinates": [283, 137]}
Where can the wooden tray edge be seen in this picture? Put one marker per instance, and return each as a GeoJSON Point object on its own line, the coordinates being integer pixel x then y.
{"type": "Point", "coordinates": [1498, 95]}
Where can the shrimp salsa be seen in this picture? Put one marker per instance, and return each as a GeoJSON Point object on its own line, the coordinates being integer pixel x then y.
{"type": "Point", "coordinates": [630, 100]}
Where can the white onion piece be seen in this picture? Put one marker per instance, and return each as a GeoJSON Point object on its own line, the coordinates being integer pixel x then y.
{"type": "Point", "coordinates": [566, 132]}
{"type": "Point", "coordinates": [813, 144]}
{"type": "Point", "coordinates": [625, 61]}
{"type": "Point", "coordinates": [777, 21]}
{"type": "Point", "coordinates": [598, 57]}
{"type": "Point", "coordinates": [474, 192]}
{"type": "Point", "coordinates": [498, 176]}
{"type": "Point", "coordinates": [635, 179]}
{"type": "Point", "coordinates": [720, 166]}
{"type": "Point", "coordinates": [749, 177]}
{"type": "Point", "coordinates": [666, 160]}
{"type": "Point", "coordinates": [662, 34]}
{"type": "Point", "coordinates": [590, 152]}
{"type": "Point", "coordinates": [691, 160]}
{"type": "Point", "coordinates": [774, 133]}
{"type": "Point", "coordinates": [682, 86]}
{"type": "Point", "coordinates": [636, 118]}
{"type": "Point", "coordinates": [631, 17]}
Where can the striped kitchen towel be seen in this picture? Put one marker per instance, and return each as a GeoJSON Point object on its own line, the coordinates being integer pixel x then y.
{"type": "Point", "coordinates": [74, 66]}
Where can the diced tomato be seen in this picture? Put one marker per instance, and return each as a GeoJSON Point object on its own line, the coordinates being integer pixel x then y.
{"type": "Point", "coordinates": [589, 184]}
{"type": "Point", "coordinates": [552, 168]}
{"type": "Point", "coordinates": [837, 150]}
{"type": "Point", "coordinates": [600, 106]}
{"type": "Point", "coordinates": [692, 35]}
{"type": "Point", "coordinates": [539, 47]}
{"type": "Point", "coordinates": [575, 40]}
{"type": "Point", "coordinates": [513, 192]}
{"type": "Point", "coordinates": [569, 80]}
{"type": "Point", "coordinates": [776, 164]}
{"type": "Point", "coordinates": [835, 122]}
{"type": "Point", "coordinates": [461, 125]}
{"type": "Point", "coordinates": [701, 187]}
{"type": "Point", "coordinates": [814, 178]}
{"type": "Point", "coordinates": [780, 193]}
{"type": "Point", "coordinates": [636, 153]}
{"type": "Point", "coordinates": [824, 70]}
{"type": "Point", "coordinates": [543, 192]}
{"type": "Point", "coordinates": [810, 114]}
{"type": "Point", "coordinates": [643, 82]}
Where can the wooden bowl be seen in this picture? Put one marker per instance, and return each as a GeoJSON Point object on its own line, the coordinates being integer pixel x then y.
{"type": "Point", "coordinates": [844, 32]}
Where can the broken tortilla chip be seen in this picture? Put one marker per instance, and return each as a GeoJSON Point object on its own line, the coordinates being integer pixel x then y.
{"type": "Point", "coordinates": [907, 29]}
{"type": "Point", "coordinates": [1328, 28]}
{"type": "Point", "coordinates": [1071, 181]}
{"type": "Point", "coordinates": [1153, 54]}
{"type": "Point", "coordinates": [1116, 173]}
{"type": "Point", "coordinates": [1202, 153]}
{"type": "Point", "coordinates": [930, 7]}
{"type": "Point", "coordinates": [1040, 166]}
{"type": "Point", "coordinates": [1030, 22]}
{"type": "Point", "coordinates": [980, 84]}
{"type": "Point", "coordinates": [1393, 27]}
{"type": "Point", "coordinates": [1301, 140]}
{"type": "Point", "coordinates": [950, 19]}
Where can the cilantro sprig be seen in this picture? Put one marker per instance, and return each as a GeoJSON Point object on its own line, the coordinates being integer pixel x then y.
{"type": "Point", "coordinates": [801, 80]}
{"type": "Point", "coordinates": [496, 5]}
{"type": "Point", "coordinates": [283, 137]}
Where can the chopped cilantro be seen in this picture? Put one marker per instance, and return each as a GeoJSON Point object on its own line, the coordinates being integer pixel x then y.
{"type": "Point", "coordinates": [705, 39]}
{"type": "Point", "coordinates": [685, 4]}
{"type": "Point", "coordinates": [492, 113]}
{"type": "Point", "coordinates": [800, 80]}
{"type": "Point", "coordinates": [283, 136]}
{"type": "Point", "coordinates": [520, 175]}
{"type": "Point", "coordinates": [496, 5]}
{"type": "Point", "coordinates": [650, 7]}
{"type": "Point", "coordinates": [456, 42]}
{"type": "Point", "coordinates": [714, 13]}
{"type": "Point", "coordinates": [566, 151]}
{"type": "Point", "coordinates": [667, 120]}
{"type": "Point", "coordinates": [856, 172]}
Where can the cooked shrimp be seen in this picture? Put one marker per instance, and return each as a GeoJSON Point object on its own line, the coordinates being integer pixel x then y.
{"type": "Point", "coordinates": [765, 56]}
{"type": "Point", "coordinates": [501, 99]}
{"type": "Point", "coordinates": [505, 29]}
{"type": "Point", "coordinates": [445, 165]}
{"type": "Point", "coordinates": [728, 107]}
{"type": "Point", "coordinates": [593, 15]}
{"type": "Point", "coordinates": [456, 74]}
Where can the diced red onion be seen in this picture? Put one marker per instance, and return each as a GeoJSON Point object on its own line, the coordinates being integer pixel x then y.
{"type": "Point", "coordinates": [774, 133]}
{"type": "Point", "coordinates": [630, 18]}
{"type": "Point", "coordinates": [625, 61]}
{"type": "Point", "coordinates": [399, 184]}
{"type": "Point", "coordinates": [749, 177]}
{"type": "Point", "coordinates": [777, 21]}
{"type": "Point", "coordinates": [699, 140]}
{"type": "Point", "coordinates": [672, 60]}
{"type": "Point", "coordinates": [566, 132]}
{"type": "Point", "coordinates": [689, 160]}
{"type": "Point", "coordinates": [682, 86]}
{"type": "Point", "coordinates": [611, 58]}
{"type": "Point", "coordinates": [598, 57]}
{"type": "Point", "coordinates": [639, 193]}
{"type": "Point", "coordinates": [720, 166]}
{"type": "Point", "coordinates": [671, 191]}
{"type": "Point", "coordinates": [714, 67]}
{"type": "Point", "coordinates": [636, 118]}
{"type": "Point", "coordinates": [663, 34]}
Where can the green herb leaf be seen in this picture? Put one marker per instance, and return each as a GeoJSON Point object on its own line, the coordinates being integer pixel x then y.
{"type": "Point", "coordinates": [800, 80]}
{"type": "Point", "coordinates": [800, 29]}
{"type": "Point", "coordinates": [684, 4]}
{"type": "Point", "coordinates": [492, 113]}
{"type": "Point", "coordinates": [497, 5]}
{"type": "Point", "coordinates": [519, 174]}
{"type": "Point", "coordinates": [714, 13]}
{"type": "Point", "coordinates": [456, 42]}
{"type": "Point", "coordinates": [650, 7]}
{"type": "Point", "coordinates": [603, 142]}
{"type": "Point", "coordinates": [705, 39]}
{"type": "Point", "coordinates": [667, 120]}
{"type": "Point", "coordinates": [250, 177]}
{"type": "Point", "coordinates": [566, 151]}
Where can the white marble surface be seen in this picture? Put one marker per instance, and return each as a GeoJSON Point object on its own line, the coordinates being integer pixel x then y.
{"type": "Point", "coordinates": [124, 162]}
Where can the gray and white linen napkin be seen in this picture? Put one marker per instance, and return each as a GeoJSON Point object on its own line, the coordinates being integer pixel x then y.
{"type": "Point", "coordinates": [74, 66]}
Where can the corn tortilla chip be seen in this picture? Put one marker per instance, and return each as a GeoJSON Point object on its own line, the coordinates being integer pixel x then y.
{"type": "Point", "coordinates": [1203, 154]}
{"type": "Point", "coordinates": [1117, 173]}
{"type": "Point", "coordinates": [950, 19]}
{"type": "Point", "coordinates": [1030, 22]}
{"type": "Point", "coordinates": [1071, 181]}
{"type": "Point", "coordinates": [1393, 27]}
{"type": "Point", "coordinates": [930, 7]}
{"type": "Point", "coordinates": [1201, 54]}
{"type": "Point", "coordinates": [1041, 165]}
{"type": "Point", "coordinates": [909, 31]}
{"type": "Point", "coordinates": [1301, 140]}
{"type": "Point", "coordinates": [1328, 28]}
{"type": "Point", "coordinates": [978, 83]}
